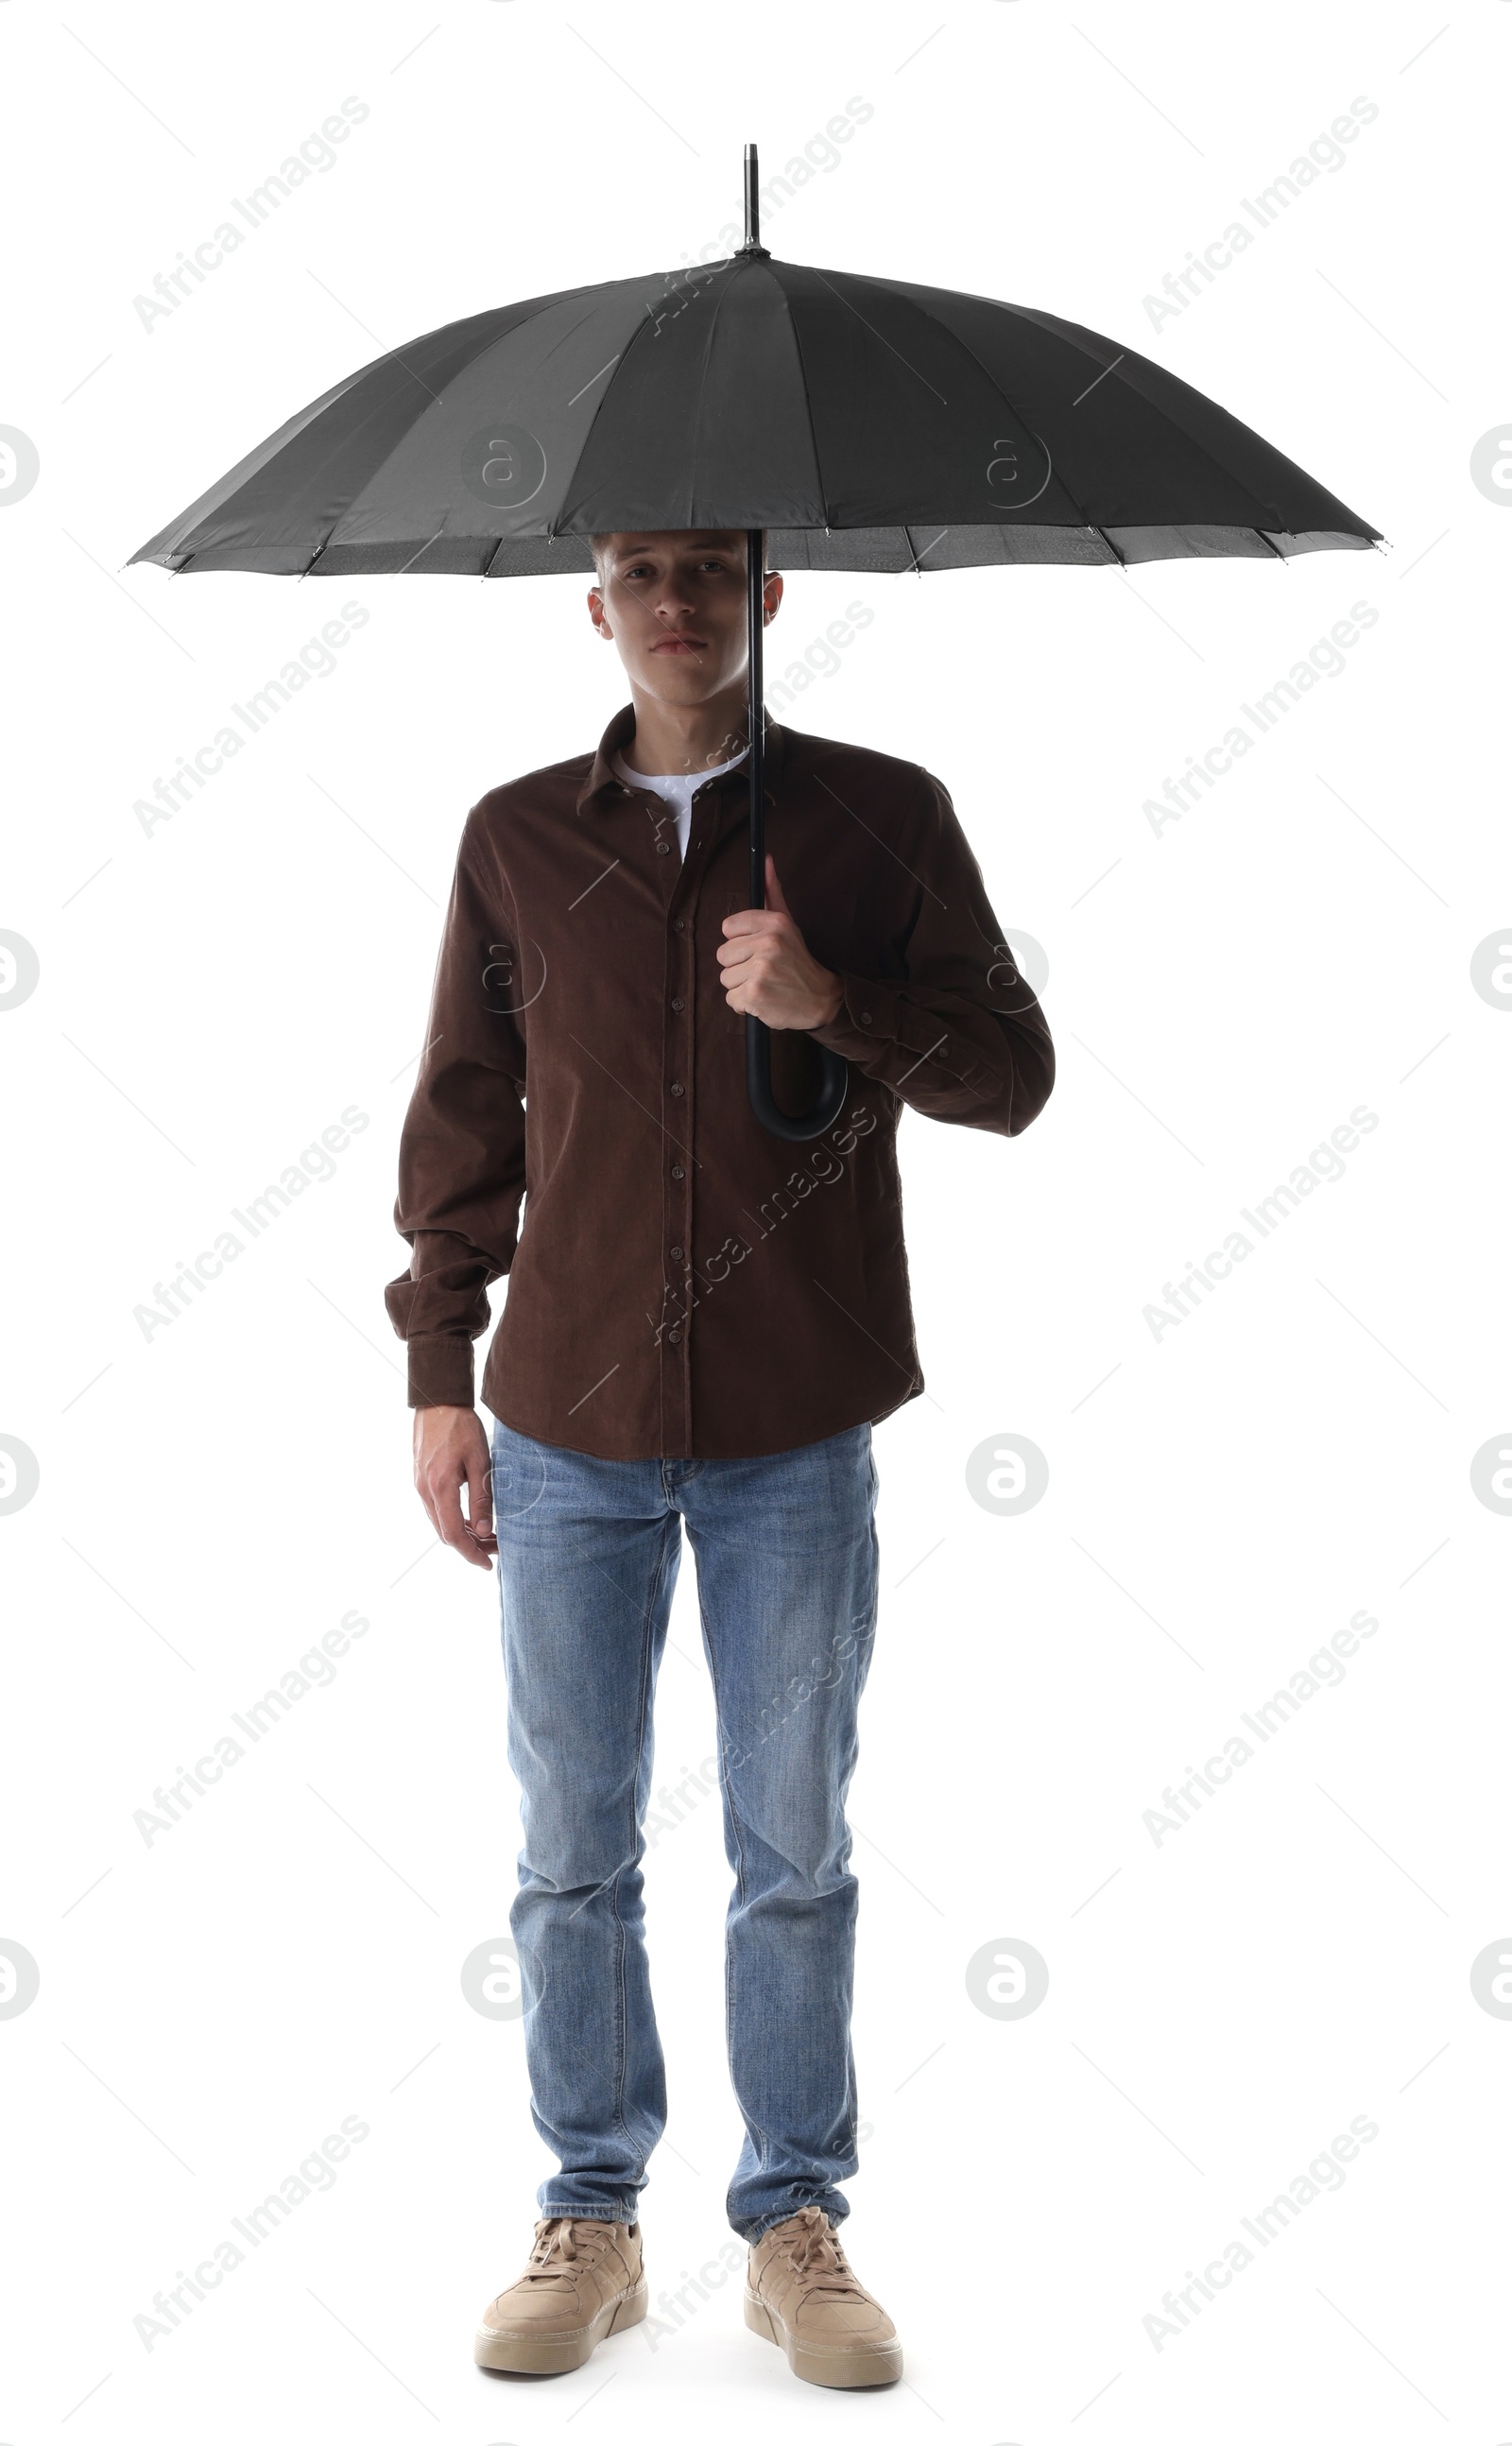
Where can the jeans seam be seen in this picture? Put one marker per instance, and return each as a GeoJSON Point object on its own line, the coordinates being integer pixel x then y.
{"type": "Point", "coordinates": [646, 1618]}
{"type": "Point", "coordinates": [734, 1828]}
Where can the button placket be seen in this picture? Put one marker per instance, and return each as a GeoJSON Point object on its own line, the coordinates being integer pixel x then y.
{"type": "Point", "coordinates": [678, 1056]}
{"type": "Point", "coordinates": [679, 1053]}
{"type": "Point", "coordinates": [680, 1038]}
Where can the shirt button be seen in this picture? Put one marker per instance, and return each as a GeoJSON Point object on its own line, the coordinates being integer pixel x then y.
{"type": "Point", "coordinates": [677, 1086]}
{"type": "Point", "coordinates": [678, 924]}
{"type": "Point", "coordinates": [866, 1018]}
{"type": "Point", "coordinates": [675, 1333]}
{"type": "Point", "coordinates": [677, 1253]}
{"type": "Point", "coordinates": [677, 1172]}
{"type": "Point", "coordinates": [678, 1003]}
{"type": "Point", "coordinates": [663, 849]}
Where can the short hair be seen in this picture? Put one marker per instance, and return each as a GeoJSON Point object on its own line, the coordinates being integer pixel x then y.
{"type": "Point", "coordinates": [599, 544]}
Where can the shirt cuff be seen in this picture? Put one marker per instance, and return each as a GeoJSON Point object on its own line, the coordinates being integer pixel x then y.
{"type": "Point", "coordinates": [867, 1019]}
{"type": "Point", "coordinates": [441, 1372]}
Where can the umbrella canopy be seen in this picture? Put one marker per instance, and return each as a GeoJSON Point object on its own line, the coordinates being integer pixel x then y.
{"type": "Point", "coordinates": [857, 423]}
{"type": "Point", "coordinates": [864, 423]}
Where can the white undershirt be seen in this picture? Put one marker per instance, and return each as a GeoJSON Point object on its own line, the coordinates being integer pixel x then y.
{"type": "Point", "coordinates": [676, 788]}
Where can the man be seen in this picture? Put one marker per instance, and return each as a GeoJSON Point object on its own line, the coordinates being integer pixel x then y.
{"type": "Point", "coordinates": [704, 1323]}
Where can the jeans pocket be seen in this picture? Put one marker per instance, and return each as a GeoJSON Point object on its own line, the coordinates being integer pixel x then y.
{"type": "Point", "coordinates": [518, 1468]}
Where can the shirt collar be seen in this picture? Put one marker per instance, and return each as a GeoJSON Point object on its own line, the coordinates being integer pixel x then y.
{"type": "Point", "coordinates": [601, 777]}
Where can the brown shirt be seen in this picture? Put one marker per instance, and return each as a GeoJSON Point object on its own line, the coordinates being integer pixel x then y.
{"type": "Point", "coordinates": [683, 1284]}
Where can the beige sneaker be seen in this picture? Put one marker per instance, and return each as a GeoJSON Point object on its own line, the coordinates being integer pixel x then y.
{"type": "Point", "coordinates": [583, 2282]}
{"type": "Point", "coordinates": [802, 2294]}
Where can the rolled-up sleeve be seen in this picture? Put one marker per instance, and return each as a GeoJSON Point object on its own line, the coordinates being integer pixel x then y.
{"type": "Point", "coordinates": [958, 1033]}
{"type": "Point", "coordinates": [461, 1161]}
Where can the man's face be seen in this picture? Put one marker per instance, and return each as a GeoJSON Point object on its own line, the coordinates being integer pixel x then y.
{"type": "Point", "coordinates": [675, 606]}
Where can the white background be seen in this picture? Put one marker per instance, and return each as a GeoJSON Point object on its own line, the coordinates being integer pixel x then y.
{"type": "Point", "coordinates": [1223, 993]}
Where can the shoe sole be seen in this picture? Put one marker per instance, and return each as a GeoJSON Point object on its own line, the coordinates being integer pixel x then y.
{"type": "Point", "coordinates": [550, 2356]}
{"type": "Point", "coordinates": [868, 2365]}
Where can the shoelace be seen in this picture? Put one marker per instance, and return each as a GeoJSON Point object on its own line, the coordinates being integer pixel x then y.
{"type": "Point", "coordinates": [815, 2253]}
{"type": "Point", "coordinates": [556, 2241]}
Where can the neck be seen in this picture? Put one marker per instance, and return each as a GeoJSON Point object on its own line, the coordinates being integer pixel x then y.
{"type": "Point", "coordinates": [686, 738]}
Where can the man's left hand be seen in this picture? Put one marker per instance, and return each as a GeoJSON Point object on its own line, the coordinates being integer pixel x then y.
{"type": "Point", "coordinates": [767, 968]}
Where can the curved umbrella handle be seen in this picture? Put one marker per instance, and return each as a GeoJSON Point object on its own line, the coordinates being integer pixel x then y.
{"type": "Point", "coordinates": [822, 1115]}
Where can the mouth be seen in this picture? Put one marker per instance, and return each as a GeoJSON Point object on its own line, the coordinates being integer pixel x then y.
{"type": "Point", "coordinates": [681, 646]}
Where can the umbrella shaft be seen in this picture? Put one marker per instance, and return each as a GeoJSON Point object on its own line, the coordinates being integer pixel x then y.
{"type": "Point", "coordinates": [756, 723]}
{"type": "Point", "coordinates": [834, 1076]}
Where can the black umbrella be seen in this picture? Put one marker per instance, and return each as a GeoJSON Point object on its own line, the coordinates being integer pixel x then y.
{"type": "Point", "coordinates": [843, 420]}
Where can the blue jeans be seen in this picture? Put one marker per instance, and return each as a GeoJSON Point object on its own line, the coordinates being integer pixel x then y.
{"type": "Point", "coordinates": [786, 1553]}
